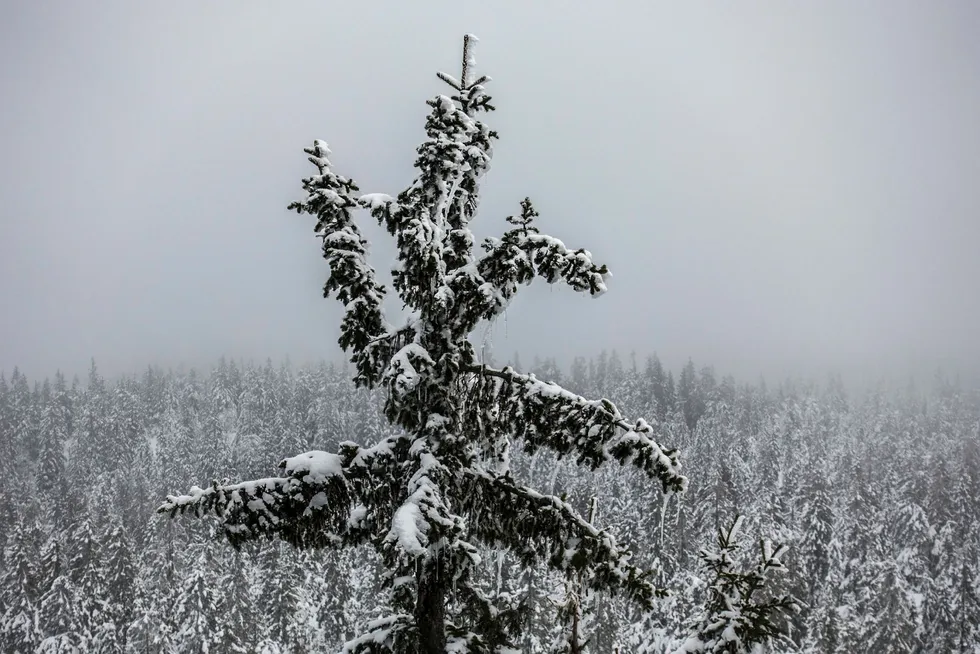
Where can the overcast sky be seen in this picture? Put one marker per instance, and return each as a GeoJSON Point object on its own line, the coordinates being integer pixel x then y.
{"type": "Point", "coordinates": [776, 186]}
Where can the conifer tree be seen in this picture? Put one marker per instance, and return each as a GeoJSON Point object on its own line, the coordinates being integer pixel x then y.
{"type": "Point", "coordinates": [282, 585]}
{"type": "Point", "coordinates": [196, 609]}
{"type": "Point", "coordinates": [152, 630]}
{"type": "Point", "coordinates": [58, 619]}
{"type": "Point", "coordinates": [92, 438]}
{"type": "Point", "coordinates": [575, 635]}
{"type": "Point", "coordinates": [426, 496]}
{"type": "Point", "coordinates": [236, 608]}
{"type": "Point", "coordinates": [18, 594]}
{"type": "Point", "coordinates": [8, 465]}
{"type": "Point", "coordinates": [689, 395]}
{"type": "Point", "coordinates": [50, 566]}
{"type": "Point", "coordinates": [49, 475]}
{"type": "Point", "coordinates": [740, 614]}
{"type": "Point", "coordinates": [85, 571]}
{"type": "Point", "coordinates": [120, 580]}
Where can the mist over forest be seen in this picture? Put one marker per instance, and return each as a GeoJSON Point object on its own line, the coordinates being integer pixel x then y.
{"type": "Point", "coordinates": [779, 190]}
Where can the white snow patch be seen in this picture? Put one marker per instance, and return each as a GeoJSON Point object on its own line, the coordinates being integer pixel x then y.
{"type": "Point", "coordinates": [375, 200]}
{"type": "Point", "coordinates": [317, 465]}
{"type": "Point", "coordinates": [405, 525]}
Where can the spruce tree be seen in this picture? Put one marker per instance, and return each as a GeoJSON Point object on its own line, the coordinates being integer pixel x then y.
{"type": "Point", "coordinates": [236, 618]}
{"type": "Point", "coordinates": [741, 615]}
{"type": "Point", "coordinates": [576, 634]}
{"type": "Point", "coordinates": [426, 496]}
{"type": "Point", "coordinates": [18, 593]}
{"type": "Point", "coordinates": [58, 620]}
{"type": "Point", "coordinates": [120, 580]}
{"type": "Point", "coordinates": [85, 571]}
{"type": "Point", "coordinates": [283, 582]}
{"type": "Point", "coordinates": [196, 609]}
{"type": "Point", "coordinates": [49, 475]}
{"type": "Point", "coordinates": [689, 395]}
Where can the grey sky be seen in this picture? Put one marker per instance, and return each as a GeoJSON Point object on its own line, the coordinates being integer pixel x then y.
{"type": "Point", "coordinates": [776, 186]}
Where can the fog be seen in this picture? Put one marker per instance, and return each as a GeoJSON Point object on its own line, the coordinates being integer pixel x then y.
{"type": "Point", "coordinates": [777, 187]}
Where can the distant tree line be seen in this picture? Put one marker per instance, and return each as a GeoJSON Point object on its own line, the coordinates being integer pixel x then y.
{"type": "Point", "coordinates": [876, 496]}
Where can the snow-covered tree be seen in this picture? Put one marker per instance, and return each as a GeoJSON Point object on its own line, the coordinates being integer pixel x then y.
{"type": "Point", "coordinates": [18, 594]}
{"type": "Point", "coordinates": [58, 618]}
{"type": "Point", "coordinates": [283, 584]}
{"type": "Point", "coordinates": [236, 619]}
{"type": "Point", "coordinates": [120, 582]}
{"type": "Point", "coordinates": [85, 558]}
{"type": "Point", "coordinates": [429, 494]}
{"type": "Point", "coordinates": [742, 613]}
{"type": "Point", "coordinates": [196, 610]}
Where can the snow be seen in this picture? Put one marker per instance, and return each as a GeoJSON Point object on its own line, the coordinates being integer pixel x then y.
{"type": "Point", "coordinates": [365, 456]}
{"type": "Point", "coordinates": [318, 466]}
{"type": "Point", "coordinates": [357, 516]}
{"type": "Point", "coordinates": [374, 201]}
{"type": "Point", "coordinates": [320, 155]}
{"type": "Point", "coordinates": [403, 370]}
{"type": "Point", "coordinates": [153, 443]}
{"type": "Point", "coordinates": [917, 600]}
{"type": "Point", "coordinates": [319, 500]}
{"type": "Point", "coordinates": [450, 80]}
{"type": "Point", "coordinates": [736, 527]}
{"type": "Point", "coordinates": [315, 467]}
{"type": "Point", "coordinates": [469, 58]}
{"type": "Point", "coordinates": [405, 525]}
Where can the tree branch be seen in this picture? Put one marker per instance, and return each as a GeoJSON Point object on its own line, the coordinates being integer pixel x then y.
{"type": "Point", "coordinates": [539, 526]}
{"type": "Point", "coordinates": [352, 279]}
{"type": "Point", "coordinates": [321, 501]}
{"type": "Point", "coordinates": [545, 414]}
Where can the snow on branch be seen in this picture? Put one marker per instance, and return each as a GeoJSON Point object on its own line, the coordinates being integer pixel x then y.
{"type": "Point", "coordinates": [318, 502]}
{"type": "Point", "coordinates": [471, 94]}
{"type": "Point", "coordinates": [382, 635]}
{"type": "Point", "coordinates": [546, 415]}
{"type": "Point", "coordinates": [522, 254]}
{"type": "Point", "coordinates": [553, 262]}
{"type": "Point", "coordinates": [352, 279]}
{"type": "Point", "coordinates": [539, 526]}
{"type": "Point", "coordinates": [306, 509]}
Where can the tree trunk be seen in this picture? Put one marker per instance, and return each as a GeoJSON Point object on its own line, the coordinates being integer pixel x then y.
{"type": "Point", "coordinates": [430, 611]}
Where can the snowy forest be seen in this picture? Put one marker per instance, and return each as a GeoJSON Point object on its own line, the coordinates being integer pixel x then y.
{"type": "Point", "coordinates": [874, 492]}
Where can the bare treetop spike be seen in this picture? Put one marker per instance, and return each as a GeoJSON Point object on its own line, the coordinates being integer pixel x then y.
{"type": "Point", "coordinates": [466, 81]}
{"type": "Point", "coordinates": [469, 59]}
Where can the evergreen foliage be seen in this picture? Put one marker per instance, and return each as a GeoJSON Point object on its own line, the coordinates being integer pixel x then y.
{"type": "Point", "coordinates": [739, 617]}
{"type": "Point", "coordinates": [18, 585]}
{"type": "Point", "coordinates": [430, 495]}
